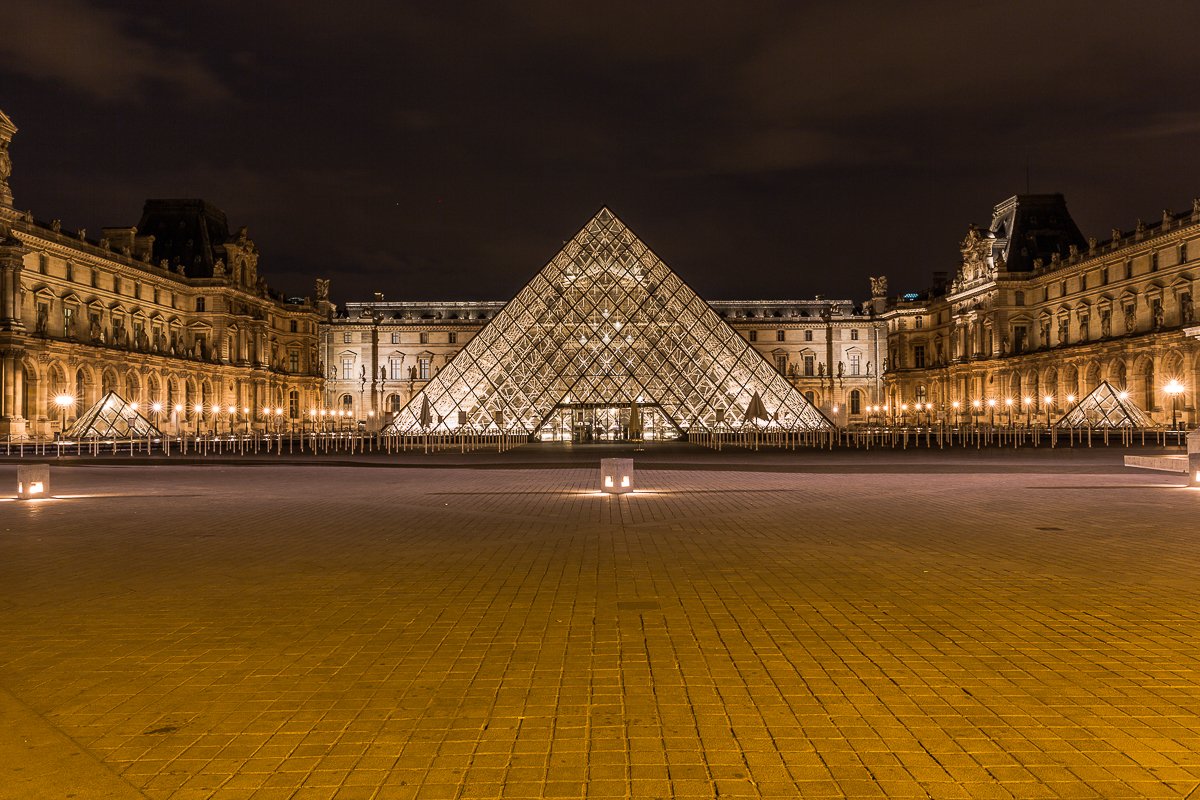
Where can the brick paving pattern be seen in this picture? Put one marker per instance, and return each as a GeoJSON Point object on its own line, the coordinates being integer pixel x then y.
{"type": "Point", "coordinates": [340, 632]}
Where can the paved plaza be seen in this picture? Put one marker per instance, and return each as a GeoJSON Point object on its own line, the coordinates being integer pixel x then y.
{"type": "Point", "coordinates": [948, 625]}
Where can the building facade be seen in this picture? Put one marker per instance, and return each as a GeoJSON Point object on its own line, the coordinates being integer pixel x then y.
{"type": "Point", "coordinates": [379, 354]}
{"type": "Point", "coordinates": [1037, 316]}
{"type": "Point", "coordinates": [171, 313]}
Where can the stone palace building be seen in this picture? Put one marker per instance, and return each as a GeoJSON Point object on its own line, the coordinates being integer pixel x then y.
{"type": "Point", "coordinates": [171, 313]}
{"type": "Point", "coordinates": [1038, 316]}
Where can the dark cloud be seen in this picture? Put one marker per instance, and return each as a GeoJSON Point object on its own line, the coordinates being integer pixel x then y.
{"type": "Point", "coordinates": [762, 148]}
{"type": "Point", "coordinates": [98, 52]}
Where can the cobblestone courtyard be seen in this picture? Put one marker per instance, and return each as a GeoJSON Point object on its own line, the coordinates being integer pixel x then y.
{"type": "Point", "coordinates": [874, 628]}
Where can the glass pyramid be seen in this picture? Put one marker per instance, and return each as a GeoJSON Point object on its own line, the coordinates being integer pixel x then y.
{"type": "Point", "coordinates": [1105, 407]}
{"type": "Point", "coordinates": [604, 325]}
{"type": "Point", "coordinates": [111, 418]}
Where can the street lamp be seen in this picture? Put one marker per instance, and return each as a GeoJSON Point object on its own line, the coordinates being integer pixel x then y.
{"type": "Point", "coordinates": [1027, 401]}
{"type": "Point", "coordinates": [1049, 400]}
{"type": "Point", "coordinates": [956, 406]}
{"type": "Point", "coordinates": [992, 411]}
{"type": "Point", "coordinates": [976, 406]}
{"type": "Point", "coordinates": [1008, 403]}
{"type": "Point", "coordinates": [1173, 388]}
{"type": "Point", "coordinates": [63, 401]}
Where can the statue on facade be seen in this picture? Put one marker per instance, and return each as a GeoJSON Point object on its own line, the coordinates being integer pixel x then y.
{"type": "Point", "coordinates": [56, 225]}
{"type": "Point", "coordinates": [94, 331]}
{"type": "Point", "coordinates": [1116, 236]}
{"type": "Point", "coordinates": [6, 197]}
{"type": "Point", "coordinates": [1196, 206]}
{"type": "Point", "coordinates": [219, 268]}
{"type": "Point", "coordinates": [841, 369]}
{"type": "Point", "coordinates": [412, 373]}
{"type": "Point", "coordinates": [1139, 230]}
{"type": "Point", "coordinates": [1105, 323]}
{"type": "Point", "coordinates": [1092, 245]}
{"type": "Point", "coordinates": [1186, 312]}
{"type": "Point", "coordinates": [322, 290]}
{"type": "Point", "coordinates": [1083, 328]}
{"type": "Point", "coordinates": [1156, 313]}
{"type": "Point", "coordinates": [1167, 218]}
{"type": "Point", "coordinates": [1046, 334]}
{"type": "Point", "coordinates": [879, 286]}
{"type": "Point", "coordinates": [1130, 318]}
{"type": "Point", "coordinates": [1064, 327]}
{"type": "Point", "coordinates": [821, 369]}
{"type": "Point", "coordinates": [43, 322]}
{"type": "Point", "coordinates": [1003, 346]}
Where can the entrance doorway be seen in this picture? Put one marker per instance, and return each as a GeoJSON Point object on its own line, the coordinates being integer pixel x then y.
{"type": "Point", "coordinates": [595, 423]}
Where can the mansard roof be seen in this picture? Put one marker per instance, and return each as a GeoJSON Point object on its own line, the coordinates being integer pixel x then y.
{"type": "Point", "coordinates": [1027, 227]}
{"type": "Point", "coordinates": [187, 232]}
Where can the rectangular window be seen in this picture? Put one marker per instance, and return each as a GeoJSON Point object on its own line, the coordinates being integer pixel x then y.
{"type": "Point", "coordinates": [1183, 252]}
{"type": "Point", "coordinates": [920, 322]}
{"type": "Point", "coordinates": [1018, 298]}
{"type": "Point", "coordinates": [753, 336]}
{"type": "Point", "coordinates": [855, 364]}
{"type": "Point", "coordinates": [396, 367]}
{"type": "Point", "coordinates": [43, 263]}
{"type": "Point", "coordinates": [918, 355]}
{"type": "Point", "coordinates": [854, 334]}
{"type": "Point", "coordinates": [780, 336]}
{"type": "Point", "coordinates": [347, 338]}
{"type": "Point", "coordinates": [293, 361]}
{"type": "Point", "coordinates": [292, 326]}
{"type": "Point", "coordinates": [810, 364]}
{"type": "Point", "coordinates": [781, 362]}
{"type": "Point", "coordinates": [347, 368]}
{"type": "Point", "coordinates": [1129, 269]}
{"type": "Point", "coordinates": [1020, 337]}
{"type": "Point", "coordinates": [453, 338]}
{"type": "Point", "coordinates": [68, 320]}
{"type": "Point", "coordinates": [1154, 261]}
{"type": "Point", "coordinates": [808, 336]}
{"type": "Point", "coordinates": [395, 338]}
{"type": "Point", "coordinates": [424, 337]}
{"type": "Point", "coordinates": [423, 368]}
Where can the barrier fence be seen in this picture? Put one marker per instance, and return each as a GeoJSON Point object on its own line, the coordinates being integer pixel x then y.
{"type": "Point", "coordinates": [352, 443]}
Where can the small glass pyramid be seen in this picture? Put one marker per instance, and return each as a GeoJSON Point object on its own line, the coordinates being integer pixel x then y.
{"type": "Point", "coordinates": [111, 418]}
{"type": "Point", "coordinates": [1105, 407]}
{"type": "Point", "coordinates": [604, 325]}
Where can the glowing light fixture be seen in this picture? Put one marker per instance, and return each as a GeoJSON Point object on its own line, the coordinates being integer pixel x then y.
{"type": "Point", "coordinates": [33, 480]}
{"type": "Point", "coordinates": [616, 475]}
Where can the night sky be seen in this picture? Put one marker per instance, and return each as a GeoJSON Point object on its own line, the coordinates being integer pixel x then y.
{"type": "Point", "coordinates": [446, 150]}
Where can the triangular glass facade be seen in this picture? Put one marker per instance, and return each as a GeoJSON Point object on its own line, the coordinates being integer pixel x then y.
{"type": "Point", "coordinates": [111, 418]}
{"type": "Point", "coordinates": [1105, 407]}
{"type": "Point", "coordinates": [605, 324]}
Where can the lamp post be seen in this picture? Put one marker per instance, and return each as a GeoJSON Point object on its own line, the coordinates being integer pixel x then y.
{"type": "Point", "coordinates": [976, 407]}
{"type": "Point", "coordinates": [991, 412]}
{"type": "Point", "coordinates": [198, 411]}
{"type": "Point", "coordinates": [1008, 403]}
{"type": "Point", "coordinates": [1173, 389]}
{"type": "Point", "coordinates": [956, 406]}
{"type": "Point", "coordinates": [1027, 401]}
{"type": "Point", "coordinates": [1049, 400]}
{"type": "Point", "coordinates": [157, 409]}
{"type": "Point", "coordinates": [63, 401]}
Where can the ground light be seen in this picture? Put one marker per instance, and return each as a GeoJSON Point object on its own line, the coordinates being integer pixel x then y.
{"type": "Point", "coordinates": [33, 481]}
{"type": "Point", "coordinates": [616, 475]}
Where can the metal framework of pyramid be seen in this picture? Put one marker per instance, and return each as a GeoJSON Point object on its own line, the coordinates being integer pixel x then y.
{"type": "Point", "coordinates": [111, 418]}
{"type": "Point", "coordinates": [1105, 408]}
{"type": "Point", "coordinates": [606, 323]}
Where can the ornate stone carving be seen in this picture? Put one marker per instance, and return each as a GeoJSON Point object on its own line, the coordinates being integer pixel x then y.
{"type": "Point", "coordinates": [1186, 312]}
{"type": "Point", "coordinates": [1156, 313]}
{"type": "Point", "coordinates": [1130, 318]}
{"type": "Point", "coordinates": [322, 290]}
{"type": "Point", "coordinates": [1106, 323]}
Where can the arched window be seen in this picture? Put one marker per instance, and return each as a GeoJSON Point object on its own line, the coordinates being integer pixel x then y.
{"type": "Point", "coordinates": [347, 403]}
{"type": "Point", "coordinates": [293, 404]}
{"type": "Point", "coordinates": [856, 402]}
{"type": "Point", "coordinates": [1149, 390]}
{"type": "Point", "coordinates": [80, 385]}
{"type": "Point", "coordinates": [922, 394]}
{"type": "Point", "coordinates": [393, 403]}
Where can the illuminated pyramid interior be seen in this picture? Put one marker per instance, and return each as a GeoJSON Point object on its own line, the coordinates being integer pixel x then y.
{"type": "Point", "coordinates": [604, 325]}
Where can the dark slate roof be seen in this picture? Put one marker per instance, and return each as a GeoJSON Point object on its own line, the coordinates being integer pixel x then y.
{"type": "Point", "coordinates": [1035, 226]}
{"type": "Point", "coordinates": [187, 232]}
